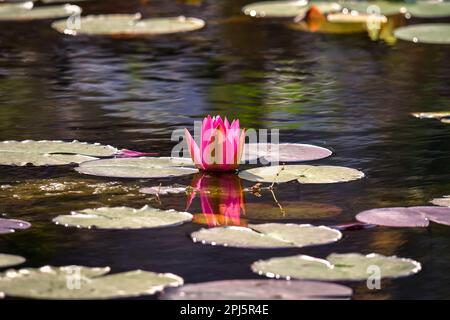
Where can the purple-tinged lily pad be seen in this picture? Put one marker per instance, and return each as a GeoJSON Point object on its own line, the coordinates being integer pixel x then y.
{"type": "Point", "coordinates": [258, 290]}
{"type": "Point", "coordinates": [285, 152]}
{"type": "Point", "coordinates": [9, 225]}
{"type": "Point", "coordinates": [353, 226]}
{"type": "Point", "coordinates": [405, 216]}
{"type": "Point", "coordinates": [393, 217]}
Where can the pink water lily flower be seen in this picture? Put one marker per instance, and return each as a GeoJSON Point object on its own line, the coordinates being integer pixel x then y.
{"type": "Point", "coordinates": [221, 145]}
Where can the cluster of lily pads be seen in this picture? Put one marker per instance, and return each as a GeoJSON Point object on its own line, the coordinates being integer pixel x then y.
{"type": "Point", "coordinates": [71, 22]}
{"type": "Point", "coordinates": [50, 282]}
{"type": "Point", "coordinates": [382, 19]}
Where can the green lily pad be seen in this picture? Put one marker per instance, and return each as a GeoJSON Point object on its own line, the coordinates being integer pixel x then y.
{"type": "Point", "coordinates": [26, 12]}
{"type": "Point", "coordinates": [268, 235]}
{"type": "Point", "coordinates": [78, 282]}
{"type": "Point", "coordinates": [302, 173]}
{"type": "Point", "coordinates": [337, 267]}
{"type": "Point", "coordinates": [8, 260]}
{"type": "Point", "coordinates": [386, 8]}
{"type": "Point", "coordinates": [443, 202]}
{"type": "Point", "coordinates": [285, 152]}
{"type": "Point", "coordinates": [144, 167]}
{"type": "Point", "coordinates": [286, 9]}
{"type": "Point", "coordinates": [49, 153]}
{"type": "Point", "coordinates": [126, 25]}
{"type": "Point", "coordinates": [429, 9]}
{"type": "Point", "coordinates": [259, 290]}
{"type": "Point", "coordinates": [430, 33]}
{"type": "Point", "coordinates": [290, 210]}
{"type": "Point", "coordinates": [58, 147]}
{"type": "Point", "coordinates": [123, 218]}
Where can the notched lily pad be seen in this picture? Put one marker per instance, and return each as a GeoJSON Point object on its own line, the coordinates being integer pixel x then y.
{"type": "Point", "coordinates": [405, 216]}
{"type": "Point", "coordinates": [126, 25]}
{"type": "Point", "coordinates": [268, 235]}
{"type": "Point", "coordinates": [430, 33]}
{"type": "Point", "coordinates": [258, 290]}
{"type": "Point", "coordinates": [45, 153]}
{"type": "Point", "coordinates": [10, 225]}
{"type": "Point", "coordinates": [123, 218]}
{"type": "Point", "coordinates": [26, 12]}
{"type": "Point", "coordinates": [144, 167]}
{"type": "Point", "coordinates": [78, 282]}
{"type": "Point", "coordinates": [285, 152]}
{"type": "Point", "coordinates": [301, 173]}
{"type": "Point", "coordinates": [337, 267]}
{"type": "Point", "coordinates": [9, 260]}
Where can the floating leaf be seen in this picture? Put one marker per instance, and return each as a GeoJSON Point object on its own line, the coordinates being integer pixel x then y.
{"type": "Point", "coordinates": [163, 190]}
{"type": "Point", "coordinates": [258, 290]}
{"type": "Point", "coordinates": [9, 225]}
{"type": "Point", "coordinates": [386, 8]}
{"type": "Point", "coordinates": [302, 173]}
{"type": "Point", "coordinates": [37, 159]}
{"type": "Point", "coordinates": [27, 12]}
{"type": "Point", "coordinates": [59, 147]}
{"type": "Point", "coordinates": [123, 218]}
{"type": "Point", "coordinates": [286, 9]}
{"type": "Point", "coordinates": [126, 25]}
{"type": "Point", "coordinates": [285, 152]}
{"type": "Point", "coordinates": [61, 283]}
{"type": "Point", "coordinates": [145, 167]}
{"type": "Point", "coordinates": [269, 235]}
{"type": "Point", "coordinates": [443, 202]}
{"type": "Point", "coordinates": [45, 153]}
{"type": "Point", "coordinates": [405, 216]}
{"type": "Point", "coordinates": [356, 18]}
{"type": "Point", "coordinates": [431, 33]}
{"type": "Point", "coordinates": [431, 115]}
{"type": "Point", "coordinates": [429, 9]}
{"type": "Point", "coordinates": [337, 267]}
{"type": "Point", "coordinates": [8, 260]}
{"type": "Point", "coordinates": [445, 120]}
{"type": "Point", "coordinates": [290, 210]}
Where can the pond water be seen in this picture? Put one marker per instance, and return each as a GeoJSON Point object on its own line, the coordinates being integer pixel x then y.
{"type": "Point", "coordinates": [346, 93]}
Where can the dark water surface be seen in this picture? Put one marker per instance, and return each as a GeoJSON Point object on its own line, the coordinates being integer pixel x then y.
{"type": "Point", "coordinates": [346, 93]}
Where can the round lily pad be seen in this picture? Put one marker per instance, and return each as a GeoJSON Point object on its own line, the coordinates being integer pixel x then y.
{"type": "Point", "coordinates": [337, 267]}
{"type": "Point", "coordinates": [431, 33]}
{"type": "Point", "coordinates": [393, 217]}
{"type": "Point", "coordinates": [285, 152]}
{"type": "Point", "coordinates": [128, 25]}
{"type": "Point", "coordinates": [78, 282]}
{"type": "Point", "coordinates": [123, 218]}
{"type": "Point", "coordinates": [9, 225]}
{"type": "Point", "coordinates": [443, 202]}
{"type": "Point", "coordinates": [268, 235]}
{"type": "Point", "coordinates": [47, 153]}
{"type": "Point", "coordinates": [405, 217]}
{"type": "Point", "coordinates": [8, 260]}
{"type": "Point", "coordinates": [302, 173]}
{"type": "Point", "coordinates": [290, 210]}
{"type": "Point", "coordinates": [27, 12]}
{"type": "Point", "coordinates": [429, 9]}
{"type": "Point", "coordinates": [258, 290]}
{"type": "Point", "coordinates": [286, 9]}
{"type": "Point", "coordinates": [143, 167]}
{"type": "Point", "coordinates": [58, 147]}
{"type": "Point", "coordinates": [385, 7]}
